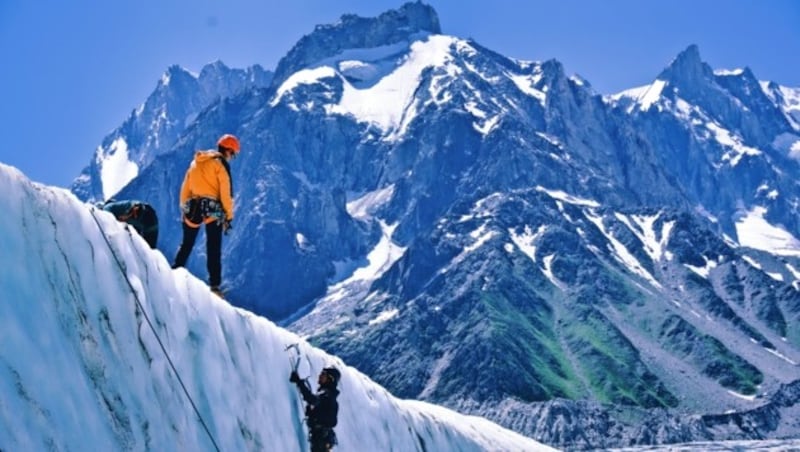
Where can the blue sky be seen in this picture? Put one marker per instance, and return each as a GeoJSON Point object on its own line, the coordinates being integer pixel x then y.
{"type": "Point", "coordinates": [74, 70]}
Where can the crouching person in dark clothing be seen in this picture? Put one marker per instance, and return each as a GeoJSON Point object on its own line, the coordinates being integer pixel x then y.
{"type": "Point", "coordinates": [321, 409]}
{"type": "Point", "coordinates": [138, 214]}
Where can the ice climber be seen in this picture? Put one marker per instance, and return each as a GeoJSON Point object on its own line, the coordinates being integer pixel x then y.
{"type": "Point", "coordinates": [322, 408]}
{"type": "Point", "coordinates": [207, 198]}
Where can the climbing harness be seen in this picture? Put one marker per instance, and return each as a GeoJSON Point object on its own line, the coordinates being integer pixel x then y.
{"type": "Point", "coordinates": [199, 210]}
{"type": "Point", "coordinates": [147, 318]}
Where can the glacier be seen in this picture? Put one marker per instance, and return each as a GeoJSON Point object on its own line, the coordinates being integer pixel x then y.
{"type": "Point", "coordinates": [105, 347]}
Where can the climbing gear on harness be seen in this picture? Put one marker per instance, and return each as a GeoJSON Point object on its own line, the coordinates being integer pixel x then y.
{"type": "Point", "coordinates": [152, 328]}
{"type": "Point", "coordinates": [197, 211]}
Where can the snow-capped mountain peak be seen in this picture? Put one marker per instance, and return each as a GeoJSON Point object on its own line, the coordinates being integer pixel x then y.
{"type": "Point", "coordinates": [354, 32]}
{"type": "Point", "coordinates": [153, 127]}
{"type": "Point", "coordinates": [376, 85]}
{"type": "Point", "coordinates": [687, 69]}
{"type": "Point", "coordinates": [387, 87]}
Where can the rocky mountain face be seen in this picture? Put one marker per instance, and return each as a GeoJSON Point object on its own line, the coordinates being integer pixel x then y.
{"type": "Point", "coordinates": [354, 32]}
{"type": "Point", "coordinates": [723, 136]}
{"type": "Point", "coordinates": [493, 235]}
{"type": "Point", "coordinates": [154, 127]}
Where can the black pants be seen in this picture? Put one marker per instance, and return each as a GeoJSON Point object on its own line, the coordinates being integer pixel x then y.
{"type": "Point", "coordinates": [213, 249]}
{"type": "Point", "coordinates": [149, 225]}
{"type": "Point", "coordinates": [322, 439]}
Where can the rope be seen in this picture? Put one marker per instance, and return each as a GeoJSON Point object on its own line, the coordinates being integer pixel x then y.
{"type": "Point", "coordinates": [147, 318]}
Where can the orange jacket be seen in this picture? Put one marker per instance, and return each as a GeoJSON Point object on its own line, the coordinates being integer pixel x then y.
{"type": "Point", "coordinates": [208, 178]}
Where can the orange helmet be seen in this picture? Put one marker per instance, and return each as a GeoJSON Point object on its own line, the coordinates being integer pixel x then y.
{"type": "Point", "coordinates": [230, 142]}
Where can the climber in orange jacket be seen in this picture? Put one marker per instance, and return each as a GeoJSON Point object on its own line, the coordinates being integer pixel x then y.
{"type": "Point", "coordinates": [207, 198]}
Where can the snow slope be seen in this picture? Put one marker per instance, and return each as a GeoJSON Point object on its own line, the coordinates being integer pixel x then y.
{"type": "Point", "coordinates": [81, 367]}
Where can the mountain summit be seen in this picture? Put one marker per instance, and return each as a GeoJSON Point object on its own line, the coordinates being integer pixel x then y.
{"type": "Point", "coordinates": [688, 69]}
{"type": "Point", "coordinates": [354, 32]}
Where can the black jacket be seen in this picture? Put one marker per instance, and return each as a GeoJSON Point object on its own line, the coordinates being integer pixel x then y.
{"type": "Point", "coordinates": [322, 409]}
